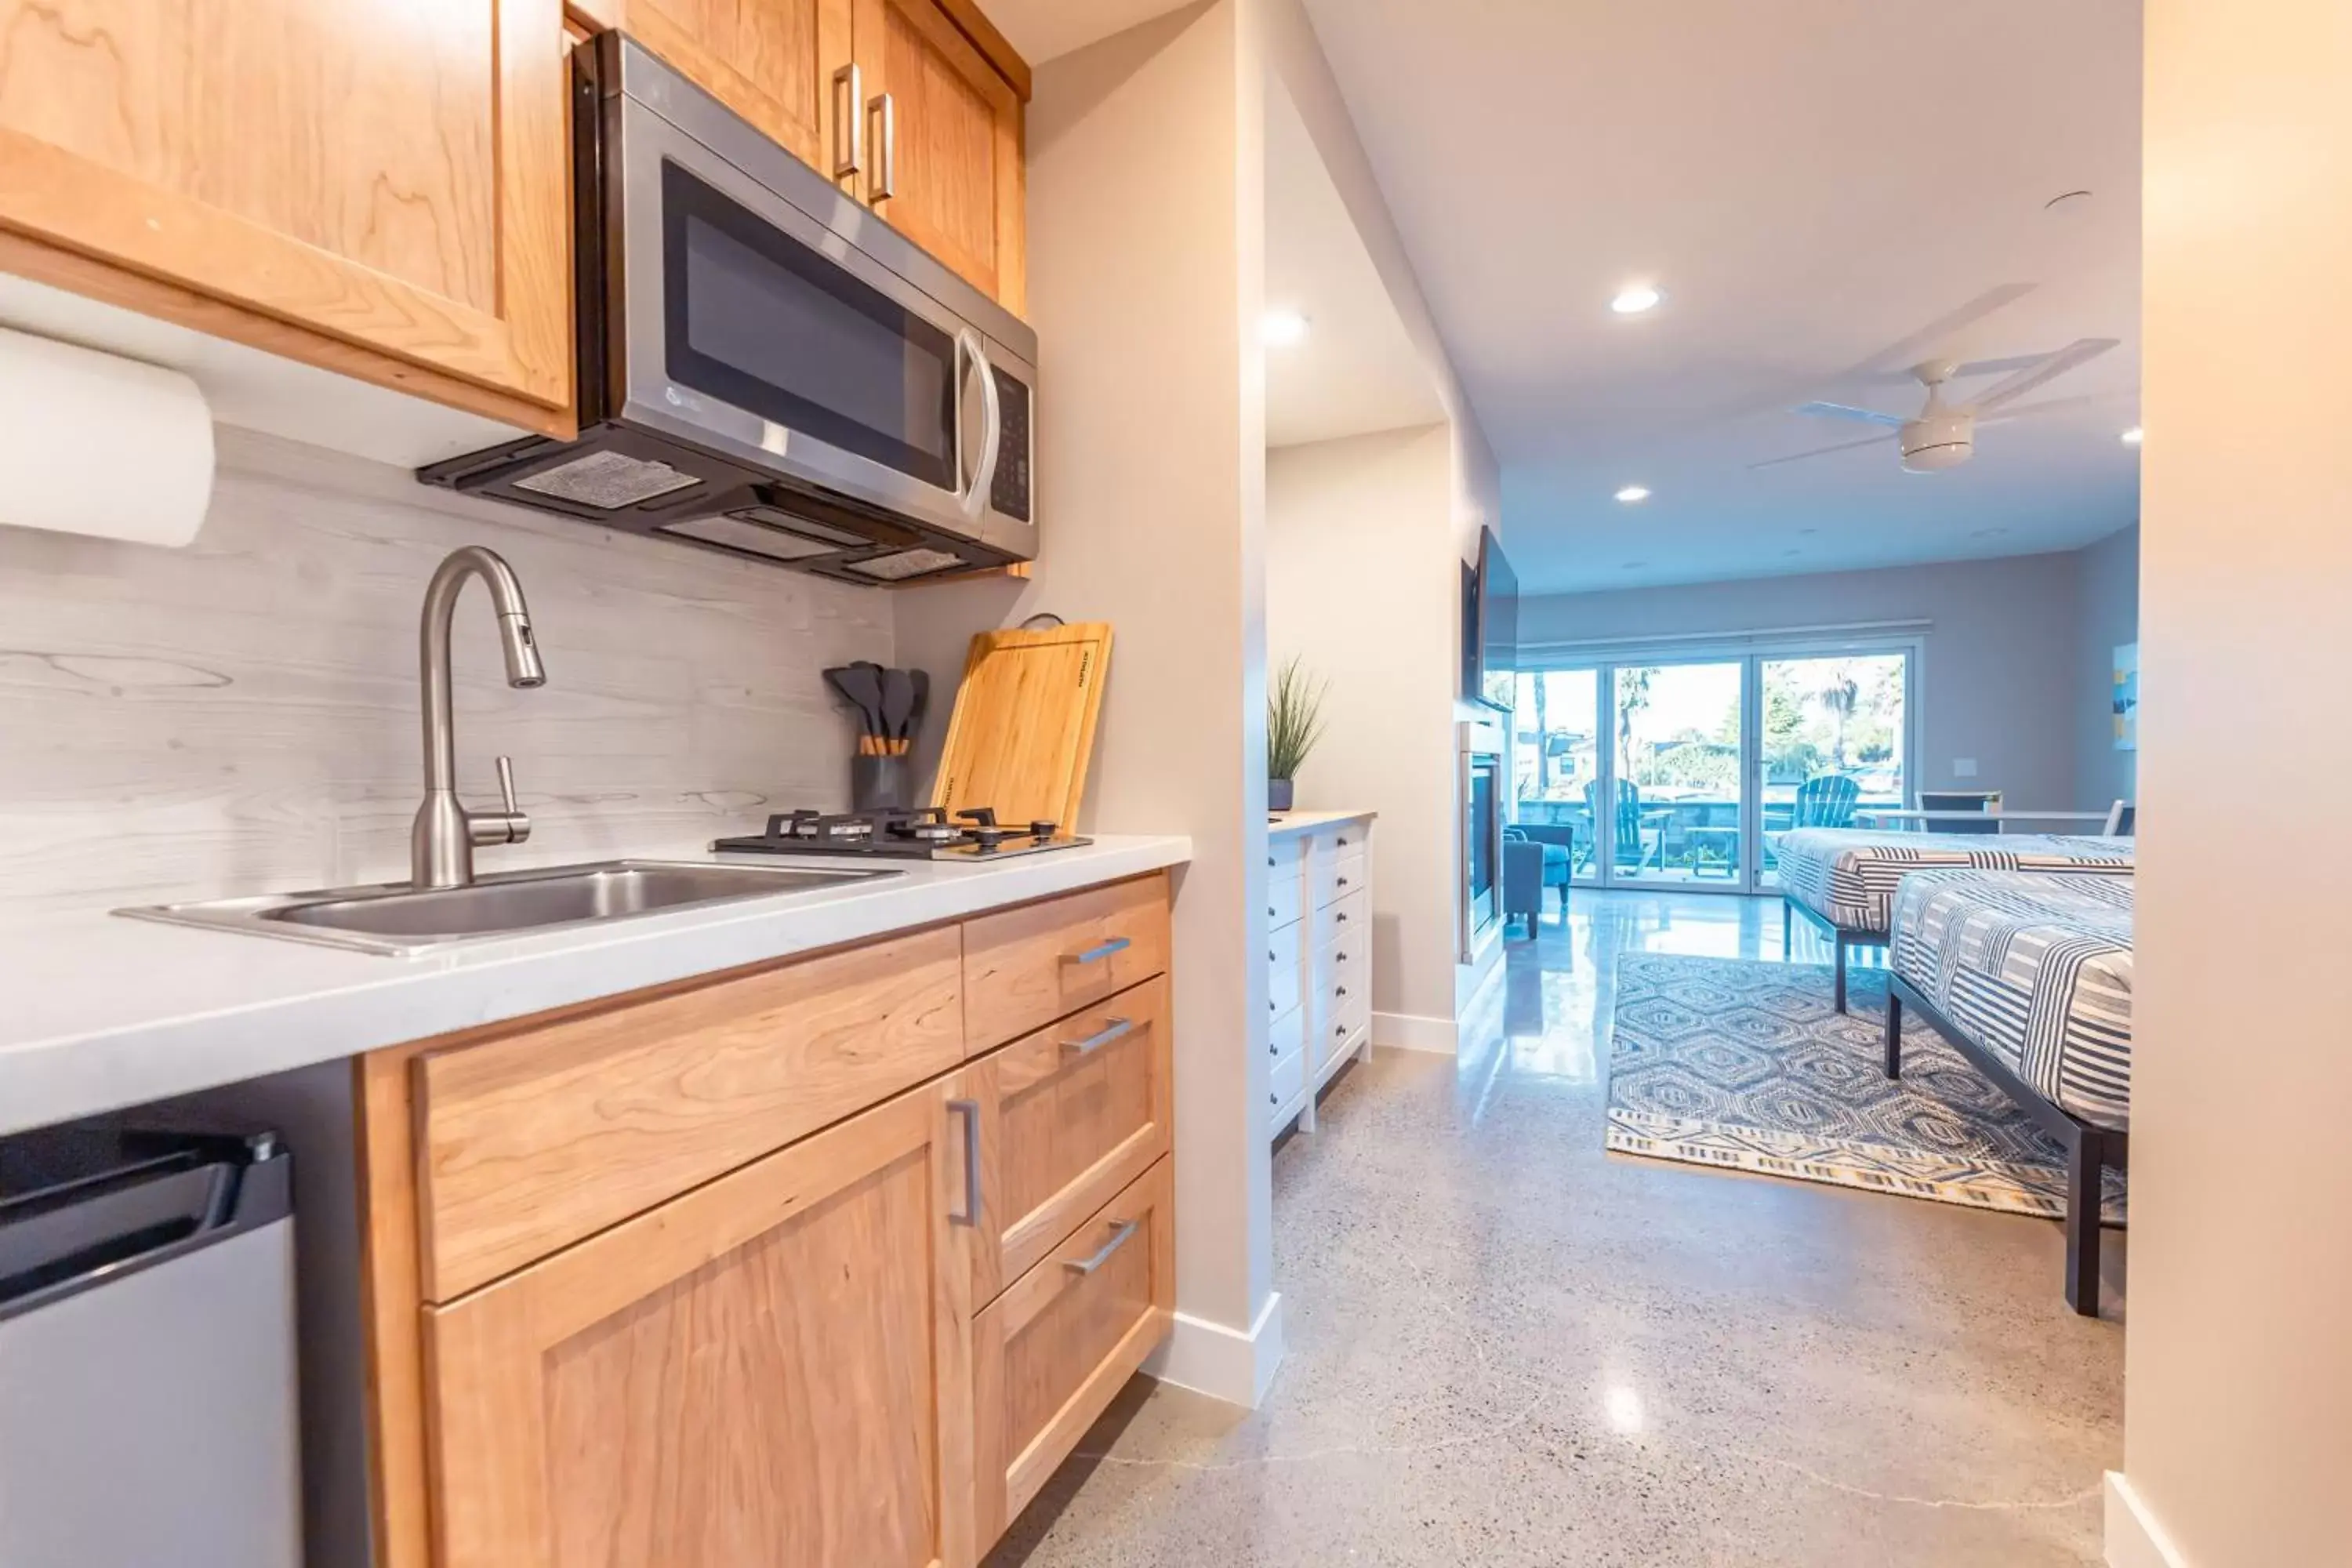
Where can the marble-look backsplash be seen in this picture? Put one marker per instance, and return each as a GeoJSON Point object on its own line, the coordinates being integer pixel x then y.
{"type": "Point", "coordinates": [241, 716]}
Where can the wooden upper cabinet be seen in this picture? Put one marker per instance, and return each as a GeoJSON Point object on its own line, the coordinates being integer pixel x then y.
{"type": "Point", "coordinates": [770, 61]}
{"type": "Point", "coordinates": [773, 1368]}
{"type": "Point", "coordinates": [944, 144]}
{"type": "Point", "coordinates": [382, 189]}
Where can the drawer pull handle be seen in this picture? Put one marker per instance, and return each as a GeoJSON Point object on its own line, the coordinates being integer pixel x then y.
{"type": "Point", "coordinates": [1118, 1237]}
{"type": "Point", "coordinates": [1343, 991]}
{"type": "Point", "coordinates": [1343, 917]}
{"type": "Point", "coordinates": [1343, 881]}
{"type": "Point", "coordinates": [1112, 1029]}
{"type": "Point", "coordinates": [1343, 842]}
{"type": "Point", "coordinates": [1340, 956]}
{"type": "Point", "coordinates": [1100, 950]}
{"type": "Point", "coordinates": [969, 1110]}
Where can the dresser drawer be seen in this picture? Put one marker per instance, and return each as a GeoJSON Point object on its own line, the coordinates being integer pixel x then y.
{"type": "Point", "coordinates": [1282, 968]}
{"type": "Point", "coordinates": [1065, 1118]}
{"type": "Point", "coordinates": [1048, 1355]}
{"type": "Point", "coordinates": [1026, 967]}
{"type": "Point", "coordinates": [1351, 914]}
{"type": "Point", "coordinates": [1285, 897]}
{"type": "Point", "coordinates": [527, 1142]}
{"type": "Point", "coordinates": [1337, 842]}
{"type": "Point", "coordinates": [1287, 1033]}
{"type": "Point", "coordinates": [1286, 853]}
{"type": "Point", "coordinates": [1288, 1077]}
{"type": "Point", "coordinates": [1335, 879]}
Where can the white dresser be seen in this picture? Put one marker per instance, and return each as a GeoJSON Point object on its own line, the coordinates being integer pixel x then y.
{"type": "Point", "coordinates": [1318, 955]}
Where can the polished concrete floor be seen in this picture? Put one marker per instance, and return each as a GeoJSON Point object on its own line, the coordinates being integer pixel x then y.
{"type": "Point", "coordinates": [1509, 1347]}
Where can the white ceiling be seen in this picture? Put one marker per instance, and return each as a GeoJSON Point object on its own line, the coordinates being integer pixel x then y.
{"type": "Point", "coordinates": [1812, 182]}
{"type": "Point", "coordinates": [1356, 371]}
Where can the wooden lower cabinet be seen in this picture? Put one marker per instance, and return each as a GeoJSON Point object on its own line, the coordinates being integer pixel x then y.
{"type": "Point", "coordinates": [772, 1369]}
{"type": "Point", "coordinates": [1049, 1354]}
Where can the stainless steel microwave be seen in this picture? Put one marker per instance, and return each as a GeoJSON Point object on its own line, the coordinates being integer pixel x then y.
{"type": "Point", "coordinates": [766, 367]}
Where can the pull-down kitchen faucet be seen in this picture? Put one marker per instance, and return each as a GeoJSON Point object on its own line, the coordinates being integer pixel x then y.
{"type": "Point", "coordinates": [441, 844]}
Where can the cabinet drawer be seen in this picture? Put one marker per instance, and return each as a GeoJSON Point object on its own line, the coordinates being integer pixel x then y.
{"type": "Point", "coordinates": [1067, 1118]}
{"type": "Point", "coordinates": [1026, 967]}
{"type": "Point", "coordinates": [1336, 880]}
{"type": "Point", "coordinates": [1351, 914]}
{"type": "Point", "coordinates": [1282, 975]}
{"type": "Point", "coordinates": [1284, 898]}
{"type": "Point", "coordinates": [1049, 1354]}
{"type": "Point", "coordinates": [530, 1141]}
{"type": "Point", "coordinates": [1287, 1033]}
{"type": "Point", "coordinates": [1286, 853]}
{"type": "Point", "coordinates": [1337, 842]}
{"type": "Point", "coordinates": [1288, 1077]}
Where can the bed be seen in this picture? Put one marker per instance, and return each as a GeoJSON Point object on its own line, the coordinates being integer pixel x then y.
{"type": "Point", "coordinates": [2029, 975]}
{"type": "Point", "coordinates": [1844, 879]}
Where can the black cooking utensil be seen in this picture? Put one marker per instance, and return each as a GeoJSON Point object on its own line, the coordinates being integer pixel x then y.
{"type": "Point", "coordinates": [898, 703]}
{"type": "Point", "coordinates": [861, 684]}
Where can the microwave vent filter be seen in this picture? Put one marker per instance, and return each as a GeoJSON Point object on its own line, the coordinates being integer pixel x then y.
{"type": "Point", "coordinates": [608, 480]}
{"type": "Point", "coordinates": [768, 516]}
{"type": "Point", "coordinates": [751, 538]}
{"type": "Point", "coordinates": [904, 564]}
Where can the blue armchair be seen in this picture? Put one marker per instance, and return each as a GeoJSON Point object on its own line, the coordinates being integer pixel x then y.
{"type": "Point", "coordinates": [1529, 866]}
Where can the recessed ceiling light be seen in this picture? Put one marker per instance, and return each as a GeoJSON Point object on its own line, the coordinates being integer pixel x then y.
{"type": "Point", "coordinates": [2131, 436]}
{"type": "Point", "coordinates": [1988, 533]}
{"type": "Point", "coordinates": [1634, 566]}
{"type": "Point", "coordinates": [1282, 329]}
{"type": "Point", "coordinates": [1635, 298]}
{"type": "Point", "coordinates": [1632, 493]}
{"type": "Point", "coordinates": [1792, 553]}
{"type": "Point", "coordinates": [1804, 531]}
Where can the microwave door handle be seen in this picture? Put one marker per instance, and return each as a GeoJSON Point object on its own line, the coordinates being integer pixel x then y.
{"type": "Point", "coordinates": [984, 473]}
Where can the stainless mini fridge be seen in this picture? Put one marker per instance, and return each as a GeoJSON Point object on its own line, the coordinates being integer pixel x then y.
{"type": "Point", "coordinates": [147, 1381]}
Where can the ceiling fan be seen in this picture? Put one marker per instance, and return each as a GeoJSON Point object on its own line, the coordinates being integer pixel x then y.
{"type": "Point", "coordinates": [1943, 435]}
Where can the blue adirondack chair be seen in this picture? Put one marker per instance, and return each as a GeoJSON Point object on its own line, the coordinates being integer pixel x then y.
{"type": "Point", "coordinates": [1826, 800]}
{"type": "Point", "coordinates": [1641, 835]}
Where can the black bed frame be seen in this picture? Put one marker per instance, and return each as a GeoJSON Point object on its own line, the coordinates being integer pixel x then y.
{"type": "Point", "coordinates": [2089, 1149]}
{"type": "Point", "coordinates": [1838, 935]}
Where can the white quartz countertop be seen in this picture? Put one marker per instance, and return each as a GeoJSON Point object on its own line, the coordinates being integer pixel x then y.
{"type": "Point", "coordinates": [104, 1012]}
{"type": "Point", "coordinates": [1286, 823]}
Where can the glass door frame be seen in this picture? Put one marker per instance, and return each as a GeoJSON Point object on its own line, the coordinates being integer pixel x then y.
{"type": "Point", "coordinates": [1751, 654]}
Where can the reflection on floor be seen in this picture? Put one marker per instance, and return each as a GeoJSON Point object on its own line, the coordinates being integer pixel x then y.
{"type": "Point", "coordinates": [1509, 1348]}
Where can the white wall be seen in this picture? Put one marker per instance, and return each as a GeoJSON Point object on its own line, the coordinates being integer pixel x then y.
{"type": "Point", "coordinates": [2238, 1399]}
{"type": "Point", "coordinates": [1999, 676]}
{"type": "Point", "coordinates": [242, 715]}
{"type": "Point", "coordinates": [1146, 268]}
{"type": "Point", "coordinates": [1361, 582]}
{"type": "Point", "coordinates": [2108, 617]}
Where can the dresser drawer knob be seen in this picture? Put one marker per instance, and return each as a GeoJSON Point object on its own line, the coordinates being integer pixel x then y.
{"type": "Point", "coordinates": [1099, 951]}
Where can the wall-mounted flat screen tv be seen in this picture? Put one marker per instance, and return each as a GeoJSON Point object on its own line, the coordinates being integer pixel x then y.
{"type": "Point", "coordinates": [1497, 635]}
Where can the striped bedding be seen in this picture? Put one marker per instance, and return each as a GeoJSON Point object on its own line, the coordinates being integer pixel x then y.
{"type": "Point", "coordinates": [2032, 967]}
{"type": "Point", "coordinates": [1849, 876]}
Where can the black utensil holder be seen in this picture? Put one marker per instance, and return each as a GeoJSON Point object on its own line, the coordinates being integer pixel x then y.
{"type": "Point", "coordinates": [878, 784]}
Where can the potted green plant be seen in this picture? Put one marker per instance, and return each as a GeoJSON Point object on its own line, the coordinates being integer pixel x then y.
{"type": "Point", "coordinates": [1293, 722]}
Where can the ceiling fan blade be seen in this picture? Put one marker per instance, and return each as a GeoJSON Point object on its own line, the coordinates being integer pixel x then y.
{"type": "Point", "coordinates": [2076, 352]}
{"type": "Point", "coordinates": [1842, 411]}
{"type": "Point", "coordinates": [1822, 451]}
{"type": "Point", "coordinates": [1973, 367]}
{"type": "Point", "coordinates": [2054, 405]}
{"type": "Point", "coordinates": [1901, 355]}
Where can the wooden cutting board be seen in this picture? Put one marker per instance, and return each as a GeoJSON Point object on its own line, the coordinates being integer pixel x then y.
{"type": "Point", "coordinates": [1024, 728]}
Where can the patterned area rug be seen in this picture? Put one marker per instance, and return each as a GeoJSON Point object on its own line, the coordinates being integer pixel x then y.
{"type": "Point", "coordinates": [1730, 1062]}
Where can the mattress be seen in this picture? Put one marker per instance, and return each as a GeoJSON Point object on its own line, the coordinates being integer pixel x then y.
{"type": "Point", "coordinates": [2033, 968]}
{"type": "Point", "coordinates": [1849, 876]}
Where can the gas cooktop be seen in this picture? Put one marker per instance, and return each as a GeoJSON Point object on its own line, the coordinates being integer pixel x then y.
{"type": "Point", "coordinates": [909, 834]}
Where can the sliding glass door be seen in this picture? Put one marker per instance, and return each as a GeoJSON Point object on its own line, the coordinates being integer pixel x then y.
{"type": "Point", "coordinates": [1835, 739]}
{"type": "Point", "coordinates": [1685, 771]}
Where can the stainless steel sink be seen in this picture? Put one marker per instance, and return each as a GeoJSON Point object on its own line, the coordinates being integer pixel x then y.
{"type": "Point", "coordinates": [397, 919]}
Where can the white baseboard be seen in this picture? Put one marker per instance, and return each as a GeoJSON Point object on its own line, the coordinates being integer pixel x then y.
{"type": "Point", "coordinates": [1221, 1362]}
{"type": "Point", "coordinates": [2134, 1538]}
{"type": "Point", "coordinates": [1412, 1032]}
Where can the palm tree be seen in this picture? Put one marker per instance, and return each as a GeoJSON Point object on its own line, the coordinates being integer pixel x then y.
{"type": "Point", "coordinates": [1837, 696]}
{"type": "Point", "coordinates": [1632, 696]}
{"type": "Point", "coordinates": [1543, 740]}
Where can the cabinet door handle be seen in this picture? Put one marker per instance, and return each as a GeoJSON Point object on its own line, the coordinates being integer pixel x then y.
{"type": "Point", "coordinates": [1099, 951]}
{"type": "Point", "coordinates": [886, 161]}
{"type": "Point", "coordinates": [1118, 1235]}
{"type": "Point", "coordinates": [1113, 1029]}
{"type": "Point", "coordinates": [848, 129]}
{"type": "Point", "coordinates": [968, 1111]}
{"type": "Point", "coordinates": [1343, 881]}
